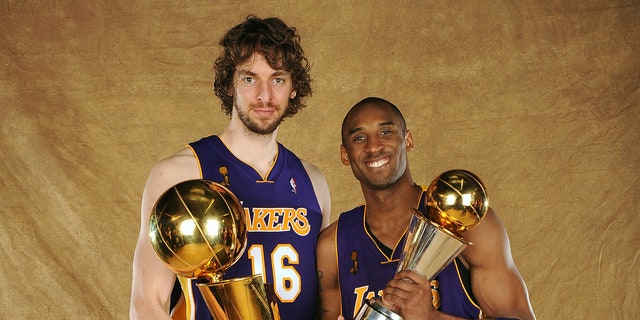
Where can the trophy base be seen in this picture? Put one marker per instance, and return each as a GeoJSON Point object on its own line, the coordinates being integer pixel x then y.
{"type": "Point", "coordinates": [238, 299]}
{"type": "Point", "coordinates": [374, 310]}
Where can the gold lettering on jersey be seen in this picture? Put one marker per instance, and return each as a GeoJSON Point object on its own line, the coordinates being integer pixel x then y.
{"type": "Point", "coordinates": [362, 294]}
{"type": "Point", "coordinates": [275, 310]}
{"type": "Point", "coordinates": [435, 285]}
{"type": "Point", "coordinates": [278, 220]}
{"type": "Point", "coordinates": [359, 292]}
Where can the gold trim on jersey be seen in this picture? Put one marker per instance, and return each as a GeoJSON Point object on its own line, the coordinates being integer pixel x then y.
{"type": "Point", "coordinates": [375, 241]}
{"type": "Point", "coordinates": [464, 288]}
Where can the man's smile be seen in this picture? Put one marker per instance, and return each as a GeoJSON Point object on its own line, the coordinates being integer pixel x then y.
{"type": "Point", "coordinates": [377, 163]}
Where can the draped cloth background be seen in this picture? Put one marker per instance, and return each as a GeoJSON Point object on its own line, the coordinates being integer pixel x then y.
{"type": "Point", "coordinates": [541, 99]}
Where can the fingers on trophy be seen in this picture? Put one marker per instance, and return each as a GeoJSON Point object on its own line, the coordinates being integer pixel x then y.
{"type": "Point", "coordinates": [456, 201]}
{"type": "Point", "coordinates": [198, 230]}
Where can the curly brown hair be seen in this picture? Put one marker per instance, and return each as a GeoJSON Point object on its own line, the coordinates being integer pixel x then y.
{"type": "Point", "coordinates": [278, 43]}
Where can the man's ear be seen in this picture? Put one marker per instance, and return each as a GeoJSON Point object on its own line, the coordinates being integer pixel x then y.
{"type": "Point", "coordinates": [293, 94]}
{"type": "Point", "coordinates": [344, 156]}
{"type": "Point", "coordinates": [408, 140]}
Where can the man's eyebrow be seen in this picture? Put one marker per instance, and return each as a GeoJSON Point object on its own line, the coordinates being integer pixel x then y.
{"type": "Point", "coordinates": [244, 71]}
{"type": "Point", "coordinates": [274, 74]}
{"type": "Point", "coordinates": [354, 130]}
{"type": "Point", "coordinates": [280, 73]}
{"type": "Point", "coordinates": [381, 124]}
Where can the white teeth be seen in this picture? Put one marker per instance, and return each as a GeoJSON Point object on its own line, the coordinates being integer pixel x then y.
{"type": "Point", "coordinates": [377, 164]}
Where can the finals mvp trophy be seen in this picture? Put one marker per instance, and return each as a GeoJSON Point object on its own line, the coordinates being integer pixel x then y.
{"type": "Point", "coordinates": [456, 201]}
{"type": "Point", "coordinates": [198, 229]}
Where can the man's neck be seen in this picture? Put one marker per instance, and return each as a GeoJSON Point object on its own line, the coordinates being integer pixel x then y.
{"type": "Point", "coordinates": [257, 150]}
{"type": "Point", "coordinates": [404, 194]}
{"type": "Point", "coordinates": [389, 210]}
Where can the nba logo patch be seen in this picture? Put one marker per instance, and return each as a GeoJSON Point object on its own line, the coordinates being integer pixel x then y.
{"type": "Point", "coordinates": [294, 187]}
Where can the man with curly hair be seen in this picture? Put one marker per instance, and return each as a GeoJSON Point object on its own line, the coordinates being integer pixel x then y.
{"type": "Point", "coordinates": [262, 77]}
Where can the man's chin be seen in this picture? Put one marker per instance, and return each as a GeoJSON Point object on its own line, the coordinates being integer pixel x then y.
{"type": "Point", "coordinates": [258, 130]}
{"type": "Point", "coordinates": [379, 185]}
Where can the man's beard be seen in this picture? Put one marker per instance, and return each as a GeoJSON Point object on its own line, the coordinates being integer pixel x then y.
{"type": "Point", "coordinates": [256, 127]}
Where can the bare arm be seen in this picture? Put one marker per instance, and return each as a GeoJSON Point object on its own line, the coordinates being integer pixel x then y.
{"type": "Point", "coordinates": [495, 280]}
{"type": "Point", "coordinates": [321, 189]}
{"type": "Point", "coordinates": [330, 297]}
{"type": "Point", "coordinates": [152, 280]}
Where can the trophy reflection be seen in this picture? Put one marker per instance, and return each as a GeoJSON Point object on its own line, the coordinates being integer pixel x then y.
{"type": "Point", "coordinates": [456, 201]}
{"type": "Point", "coordinates": [198, 229]}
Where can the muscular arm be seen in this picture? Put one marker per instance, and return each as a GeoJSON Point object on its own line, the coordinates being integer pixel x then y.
{"type": "Point", "coordinates": [152, 280]}
{"type": "Point", "coordinates": [495, 280]}
{"type": "Point", "coordinates": [330, 298]}
{"type": "Point", "coordinates": [321, 189]}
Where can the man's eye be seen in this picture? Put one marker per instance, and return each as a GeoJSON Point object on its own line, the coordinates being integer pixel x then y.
{"type": "Point", "coordinates": [358, 138]}
{"type": "Point", "coordinates": [247, 80]}
{"type": "Point", "coordinates": [279, 81]}
{"type": "Point", "coordinates": [386, 132]}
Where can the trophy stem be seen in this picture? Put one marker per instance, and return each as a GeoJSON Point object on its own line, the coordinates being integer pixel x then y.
{"type": "Point", "coordinates": [428, 247]}
{"type": "Point", "coordinates": [237, 299]}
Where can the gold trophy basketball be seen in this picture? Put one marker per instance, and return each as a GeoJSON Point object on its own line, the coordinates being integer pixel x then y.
{"type": "Point", "coordinates": [198, 229]}
{"type": "Point", "coordinates": [456, 201]}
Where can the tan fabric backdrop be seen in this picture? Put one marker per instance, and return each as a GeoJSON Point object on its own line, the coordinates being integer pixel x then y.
{"type": "Point", "coordinates": [539, 98]}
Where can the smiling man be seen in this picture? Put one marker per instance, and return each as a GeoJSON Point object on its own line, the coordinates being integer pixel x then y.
{"type": "Point", "coordinates": [261, 77]}
{"type": "Point", "coordinates": [358, 254]}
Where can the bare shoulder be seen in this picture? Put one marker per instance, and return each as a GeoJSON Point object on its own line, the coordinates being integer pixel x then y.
{"type": "Point", "coordinates": [490, 226]}
{"type": "Point", "coordinates": [317, 179]}
{"type": "Point", "coordinates": [490, 242]}
{"type": "Point", "coordinates": [167, 172]}
{"type": "Point", "coordinates": [496, 282]}
{"type": "Point", "coordinates": [321, 189]}
{"type": "Point", "coordinates": [181, 166]}
{"type": "Point", "coordinates": [314, 172]}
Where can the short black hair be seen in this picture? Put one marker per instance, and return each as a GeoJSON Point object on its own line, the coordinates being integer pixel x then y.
{"type": "Point", "coordinates": [374, 101]}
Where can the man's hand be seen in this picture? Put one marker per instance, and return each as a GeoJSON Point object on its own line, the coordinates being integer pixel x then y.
{"type": "Point", "coordinates": [411, 293]}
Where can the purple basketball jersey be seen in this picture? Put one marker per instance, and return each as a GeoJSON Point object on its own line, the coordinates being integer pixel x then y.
{"type": "Point", "coordinates": [364, 270]}
{"type": "Point", "coordinates": [283, 222]}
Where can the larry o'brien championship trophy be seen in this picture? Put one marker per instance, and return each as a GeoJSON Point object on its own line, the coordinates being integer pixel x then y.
{"type": "Point", "coordinates": [456, 201]}
{"type": "Point", "coordinates": [198, 229]}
